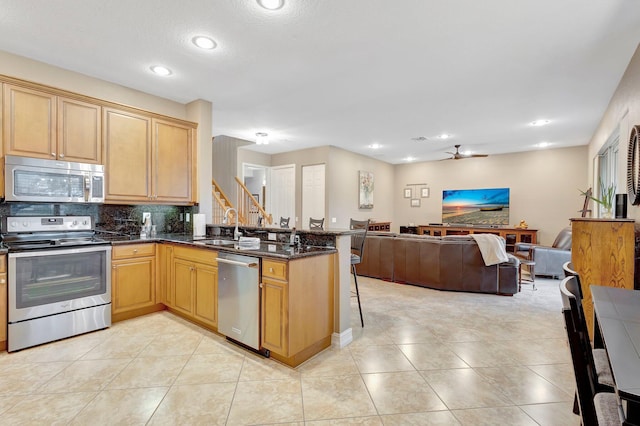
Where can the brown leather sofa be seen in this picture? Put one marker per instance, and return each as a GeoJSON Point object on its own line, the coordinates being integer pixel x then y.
{"type": "Point", "coordinates": [444, 263]}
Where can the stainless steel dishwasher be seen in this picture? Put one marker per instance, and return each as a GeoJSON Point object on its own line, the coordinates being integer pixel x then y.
{"type": "Point", "coordinates": [239, 299]}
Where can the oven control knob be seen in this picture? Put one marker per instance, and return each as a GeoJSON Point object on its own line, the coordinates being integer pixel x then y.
{"type": "Point", "coordinates": [25, 224]}
{"type": "Point", "coordinates": [74, 223]}
{"type": "Point", "coordinates": [14, 224]}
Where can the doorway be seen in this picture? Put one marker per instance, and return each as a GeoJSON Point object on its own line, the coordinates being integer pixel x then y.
{"type": "Point", "coordinates": [313, 193]}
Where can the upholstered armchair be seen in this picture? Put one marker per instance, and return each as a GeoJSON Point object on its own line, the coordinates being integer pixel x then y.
{"type": "Point", "coordinates": [549, 260]}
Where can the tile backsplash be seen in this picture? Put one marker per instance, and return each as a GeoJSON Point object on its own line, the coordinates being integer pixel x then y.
{"type": "Point", "coordinates": [126, 219]}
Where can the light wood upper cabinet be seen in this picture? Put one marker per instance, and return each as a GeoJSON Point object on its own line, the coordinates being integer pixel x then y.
{"type": "Point", "coordinates": [29, 122]}
{"type": "Point", "coordinates": [172, 162]}
{"type": "Point", "coordinates": [79, 131]}
{"type": "Point", "coordinates": [127, 138]}
{"type": "Point", "coordinates": [147, 160]}
{"type": "Point", "coordinates": [42, 125]}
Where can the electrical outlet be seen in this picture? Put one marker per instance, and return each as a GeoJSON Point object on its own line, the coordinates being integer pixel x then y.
{"type": "Point", "coordinates": [145, 216]}
{"type": "Point", "coordinates": [271, 236]}
{"type": "Point", "coordinates": [187, 217]}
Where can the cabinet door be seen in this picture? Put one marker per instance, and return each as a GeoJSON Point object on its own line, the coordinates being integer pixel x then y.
{"type": "Point", "coordinates": [172, 162]}
{"type": "Point", "coordinates": [275, 307]}
{"type": "Point", "coordinates": [183, 285]}
{"type": "Point", "coordinates": [3, 302]}
{"type": "Point", "coordinates": [79, 131]}
{"type": "Point", "coordinates": [206, 294]}
{"type": "Point", "coordinates": [133, 284]}
{"type": "Point", "coordinates": [164, 283]}
{"type": "Point", "coordinates": [29, 120]}
{"type": "Point", "coordinates": [128, 156]}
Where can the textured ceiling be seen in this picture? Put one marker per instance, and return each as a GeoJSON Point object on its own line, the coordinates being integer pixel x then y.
{"type": "Point", "coordinates": [351, 73]}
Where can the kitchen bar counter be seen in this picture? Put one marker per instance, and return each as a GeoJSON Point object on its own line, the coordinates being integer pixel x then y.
{"type": "Point", "coordinates": [266, 249]}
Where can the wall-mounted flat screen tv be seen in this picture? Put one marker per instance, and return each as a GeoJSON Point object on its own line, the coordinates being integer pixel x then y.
{"type": "Point", "coordinates": [476, 206]}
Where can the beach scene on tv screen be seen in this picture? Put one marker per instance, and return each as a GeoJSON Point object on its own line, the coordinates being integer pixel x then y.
{"type": "Point", "coordinates": [476, 206]}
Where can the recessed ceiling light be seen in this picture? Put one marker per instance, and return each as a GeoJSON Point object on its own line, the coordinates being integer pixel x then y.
{"type": "Point", "coordinates": [271, 4]}
{"type": "Point", "coordinates": [160, 70]}
{"type": "Point", "coordinates": [543, 144]}
{"type": "Point", "coordinates": [539, 123]}
{"type": "Point", "coordinates": [409, 159]}
{"type": "Point", "coordinates": [204, 42]}
{"type": "Point", "coordinates": [262, 138]}
{"type": "Point", "coordinates": [375, 146]}
{"type": "Point", "coordinates": [444, 136]}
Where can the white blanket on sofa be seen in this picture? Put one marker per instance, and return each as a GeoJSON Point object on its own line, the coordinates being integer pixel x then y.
{"type": "Point", "coordinates": [492, 248]}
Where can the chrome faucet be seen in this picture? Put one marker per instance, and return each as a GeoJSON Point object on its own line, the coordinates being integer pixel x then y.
{"type": "Point", "coordinates": [236, 234]}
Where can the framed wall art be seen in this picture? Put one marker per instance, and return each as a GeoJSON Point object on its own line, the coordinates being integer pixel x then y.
{"type": "Point", "coordinates": [407, 193]}
{"type": "Point", "coordinates": [415, 202]}
{"type": "Point", "coordinates": [424, 192]}
{"type": "Point", "coordinates": [365, 190]}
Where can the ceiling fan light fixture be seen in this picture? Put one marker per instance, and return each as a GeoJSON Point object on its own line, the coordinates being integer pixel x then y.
{"type": "Point", "coordinates": [538, 123]}
{"type": "Point", "coordinates": [204, 42]}
{"type": "Point", "coordinates": [271, 4]}
{"type": "Point", "coordinates": [262, 138]}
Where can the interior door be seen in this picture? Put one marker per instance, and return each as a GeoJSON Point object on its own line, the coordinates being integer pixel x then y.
{"type": "Point", "coordinates": [313, 191]}
{"type": "Point", "coordinates": [282, 193]}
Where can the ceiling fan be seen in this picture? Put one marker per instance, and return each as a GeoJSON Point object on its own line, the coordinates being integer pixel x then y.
{"type": "Point", "coordinates": [458, 156]}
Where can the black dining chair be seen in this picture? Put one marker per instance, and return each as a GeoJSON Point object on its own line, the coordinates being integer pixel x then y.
{"type": "Point", "coordinates": [599, 355]}
{"type": "Point", "coordinates": [595, 408]}
{"type": "Point", "coordinates": [589, 382]}
{"type": "Point", "coordinates": [284, 222]}
{"type": "Point", "coordinates": [316, 223]}
{"type": "Point", "coordinates": [357, 253]}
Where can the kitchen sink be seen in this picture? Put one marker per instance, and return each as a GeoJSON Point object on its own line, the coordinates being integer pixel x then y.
{"type": "Point", "coordinates": [218, 242]}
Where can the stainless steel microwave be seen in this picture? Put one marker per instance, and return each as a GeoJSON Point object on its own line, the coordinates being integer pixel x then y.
{"type": "Point", "coordinates": [37, 180]}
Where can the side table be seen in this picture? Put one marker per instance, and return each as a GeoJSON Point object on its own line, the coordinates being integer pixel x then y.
{"type": "Point", "coordinates": [530, 264]}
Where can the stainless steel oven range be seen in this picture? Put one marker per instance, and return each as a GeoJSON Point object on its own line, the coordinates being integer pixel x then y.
{"type": "Point", "coordinates": [59, 279]}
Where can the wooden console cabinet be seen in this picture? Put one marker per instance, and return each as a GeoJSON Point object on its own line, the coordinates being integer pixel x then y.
{"type": "Point", "coordinates": [603, 253]}
{"type": "Point", "coordinates": [511, 235]}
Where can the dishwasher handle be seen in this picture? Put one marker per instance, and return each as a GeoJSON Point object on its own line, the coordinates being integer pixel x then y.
{"type": "Point", "coordinates": [235, 262]}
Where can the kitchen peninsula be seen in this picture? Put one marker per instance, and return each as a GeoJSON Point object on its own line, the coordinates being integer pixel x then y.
{"type": "Point", "coordinates": [299, 294]}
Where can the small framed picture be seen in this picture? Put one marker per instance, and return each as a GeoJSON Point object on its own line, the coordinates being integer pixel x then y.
{"type": "Point", "coordinates": [415, 202]}
{"type": "Point", "coordinates": [407, 193]}
{"type": "Point", "coordinates": [424, 192]}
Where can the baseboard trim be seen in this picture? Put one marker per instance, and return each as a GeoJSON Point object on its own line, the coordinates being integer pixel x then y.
{"type": "Point", "coordinates": [342, 339]}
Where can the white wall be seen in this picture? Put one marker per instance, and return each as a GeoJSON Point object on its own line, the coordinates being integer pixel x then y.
{"type": "Point", "coordinates": [623, 112]}
{"type": "Point", "coordinates": [39, 72]}
{"type": "Point", "coordinates": [544, 187]}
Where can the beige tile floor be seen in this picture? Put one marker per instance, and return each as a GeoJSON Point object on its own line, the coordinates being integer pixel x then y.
{"type": "Point", "coordinates": [425, 357]}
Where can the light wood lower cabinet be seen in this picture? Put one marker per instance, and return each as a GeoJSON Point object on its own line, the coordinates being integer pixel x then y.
{"type": "Point", "coordinates": [297, 307]}
{"type": "Point", "coordinates": [3, 302]}
{"type": "Point", "coordinates": [133, 281]}
{"type": "Point", "coordinates": [193, 287]}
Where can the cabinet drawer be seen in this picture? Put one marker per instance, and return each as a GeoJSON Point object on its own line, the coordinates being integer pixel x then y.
{"type": "Point", "coordinates": [274, 269]}
{"type": "Point", "coordinates": [208, 257]}
{"type": "Point", "coordinates": [133, 250]}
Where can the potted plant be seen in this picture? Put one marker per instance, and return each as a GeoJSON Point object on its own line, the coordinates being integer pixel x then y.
{"type": "Point", "coordinates": [607, 194]}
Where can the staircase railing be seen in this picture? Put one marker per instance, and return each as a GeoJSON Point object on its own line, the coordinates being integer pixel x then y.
{"type": "Point", "coordinates": [249, 208]}
{"type": "Point", "coordinates": [220, 204]}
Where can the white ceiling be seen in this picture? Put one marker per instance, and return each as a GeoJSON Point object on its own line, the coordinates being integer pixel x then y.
{"type": "Point", "coordinates": [351, 73]}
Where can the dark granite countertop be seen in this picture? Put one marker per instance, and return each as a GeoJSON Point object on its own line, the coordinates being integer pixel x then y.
{"type": "Point", "coordinates": [265, 249]}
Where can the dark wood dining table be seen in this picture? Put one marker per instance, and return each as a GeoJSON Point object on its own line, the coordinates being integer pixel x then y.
{"type": "Point", "coordinates": [617, 329]}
